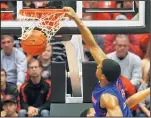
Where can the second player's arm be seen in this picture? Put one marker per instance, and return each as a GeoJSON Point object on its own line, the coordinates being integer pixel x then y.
{"type": "Point", "coordinates": [137, 97]}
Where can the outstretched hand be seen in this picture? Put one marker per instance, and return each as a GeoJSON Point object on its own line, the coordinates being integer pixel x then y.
{"type": "Point", "coordinates": [70, 12]}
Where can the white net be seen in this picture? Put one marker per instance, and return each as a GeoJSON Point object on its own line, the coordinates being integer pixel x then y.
{"type": "Point", "coordinates": [48, 23]}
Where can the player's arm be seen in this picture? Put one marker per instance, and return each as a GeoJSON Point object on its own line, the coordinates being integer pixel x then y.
{"type": "Point", "coordinates": [137, 97]}
{"type": "Point", "coordinates": [110, 102]}
{"type": "Point", "coordinates": [87, 36]}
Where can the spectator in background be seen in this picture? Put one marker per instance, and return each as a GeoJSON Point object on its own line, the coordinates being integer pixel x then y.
{"type": "Point", "coordinates": [145, 69]}
{"type": "Point", "coordinates": [143, 40]}
{"type": "Point", "coordinates": [147, 55]}
{"type": "Point", "coordinates": [6, 15]}
{"type": "Point", "coordinates": [100, 4]}
{"type": "Point", "coordinates": [28, 4]}
{"type": "Point", "coordinates": [45, 59]}
{"type": "Point", "coordinates": [17, 42]}
{"type": "Point", "coordinates": [137, 45]}
{"type": "Point", "coordinates": [146, 65]}
{"type": "Point", "coordinates": [40, 4]}
{"type": "Point", "coordinates": [9, 104]}
{"type": "Point", "coordinates": [13, 61]}
{"type": "Point", "coordinates": [130, 63]}
{"type": "Point", "coordinates": [59, 52]}
{"type": "Point", "coordinates": [35, 93]}
{"type": "Point", "coordinates": [119, 3]}
{"type": "Point", "coordinates": [7, 88]}
{"type": "Point", "coordinates": [128, 4]}
{"type": "Point", "coordinates": [144, 106]}
{"type": "Point", "coordinates": [59, 4]}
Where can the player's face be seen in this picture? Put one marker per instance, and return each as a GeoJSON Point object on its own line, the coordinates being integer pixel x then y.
{"type": "Point", "coordinates": [99, 74]}
{"type": "Point", "coordinates": [3, 78]}
{"type": "Point", "coordinates": [10, 108]}
{"type": "Point", "coordinates": [121, 47]}
{"type": "Point", "coordinates": [46, 55]}
{"type": "Point", "coordinates": [99, 71]}
{"type": "Point", "coordinates": [7, 45]}
{"type": "Point", "coordinates": [34, 69]}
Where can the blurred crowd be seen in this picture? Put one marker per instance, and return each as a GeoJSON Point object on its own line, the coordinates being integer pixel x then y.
{"type": "Point", "coordinates": [127, 4]}
{"type": "Point", "coordinates": [27, 79]}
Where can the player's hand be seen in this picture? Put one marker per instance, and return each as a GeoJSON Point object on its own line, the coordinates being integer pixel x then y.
{"type": "Point", "coordinates": [3, 113]}
{"type": "Point", "coordinates": [70, 12]}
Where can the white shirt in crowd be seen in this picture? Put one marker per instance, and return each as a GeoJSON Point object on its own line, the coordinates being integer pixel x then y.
{"type": "Point", "coordinates": [15, 66]}
{"type": "Point", "coordinates": [130, 67]}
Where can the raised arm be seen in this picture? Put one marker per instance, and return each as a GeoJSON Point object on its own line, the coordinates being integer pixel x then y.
{"type": "Point", "coordinates": [137, 97]}
{"type": "Point", "coordinates": [87, 36]}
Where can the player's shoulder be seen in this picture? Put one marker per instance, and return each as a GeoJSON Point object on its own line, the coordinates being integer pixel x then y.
{"type": "Point", "coordinates": [108, 100]}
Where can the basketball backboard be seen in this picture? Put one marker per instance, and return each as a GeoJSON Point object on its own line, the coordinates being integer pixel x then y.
{"type": "Point", "coordinates": [137, 24]}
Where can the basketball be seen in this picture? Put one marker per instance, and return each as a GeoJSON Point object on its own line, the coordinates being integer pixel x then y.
{"type": "Point", "coordinates": [35, 43]}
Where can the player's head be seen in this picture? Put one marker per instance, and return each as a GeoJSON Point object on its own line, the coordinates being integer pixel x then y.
{"type": "Point", "coordinates": [88, 113]}
{"type": "Point", "coordinates": [108, 71]}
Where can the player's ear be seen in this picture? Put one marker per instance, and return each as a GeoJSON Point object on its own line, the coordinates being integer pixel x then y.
{"type": "Point", "coordinates": [103, 77]}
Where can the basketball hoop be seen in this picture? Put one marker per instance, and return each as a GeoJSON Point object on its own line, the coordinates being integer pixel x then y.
{"type": "Point", "coordinates": [47, 20]}
{"type": "Point", "coordinates": [45, 24]}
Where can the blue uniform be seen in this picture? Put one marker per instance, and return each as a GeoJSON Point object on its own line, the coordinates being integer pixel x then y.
{"type": "Point", "coordinates": [117, 90]}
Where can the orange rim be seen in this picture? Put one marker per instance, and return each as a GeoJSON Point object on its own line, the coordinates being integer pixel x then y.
{"type": "Point", "coordinates": [40, 11]}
